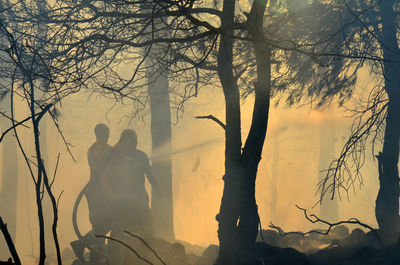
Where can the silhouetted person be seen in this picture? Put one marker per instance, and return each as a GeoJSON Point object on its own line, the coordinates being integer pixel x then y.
{"type": "Point", "coordinates": [126, 180]}
{"type": "Point", "coordinates": [99, 215]}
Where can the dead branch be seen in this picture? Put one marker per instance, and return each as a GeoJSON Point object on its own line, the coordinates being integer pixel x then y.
{"type": "Point", "coordinates": [315, 219]}
{"type": "Point", "coordinates": [147, 245]}
{"type": "Point", "coordinates": [211, 117]}
{"type": "Point", "coordinates": [41, 114]}
{"type": "Point", "coordinates": [2, 113]}
{"type": "Point", "coordinates": [55, 170]}
{"type": "Point", "coordinates": [54, 204]}
{"type": "Point", "coordinates": [367, 124]}
{"type": "Point", "coordinates": [59, 197]}
{"type": "Point", "coordinates": [127, 246]}
{"type": "Point", "coordinates": [10, 243]}
{"type": "Point", "coordinates": [16, 124]}
{"type": "Point", "coordinates": [66, 143]}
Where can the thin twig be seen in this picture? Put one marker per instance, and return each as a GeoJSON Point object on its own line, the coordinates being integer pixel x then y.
{"type": "Point", "coordinates": [147, 245]}
{"type": "Point", "coordinates": [11, 119]}
{"type": "Point", "coordinates": [59, 197]}
{"type": "Point", "coordinates": [55, 170]}
{"type": "Point", "coordinates": [14, 126]}
{"type": "Point", "coordinates": [127, 246]}
{"type": "Point", "coordinates": [211, 117]}
{"type": "Point", "coordinates": [315, 219]}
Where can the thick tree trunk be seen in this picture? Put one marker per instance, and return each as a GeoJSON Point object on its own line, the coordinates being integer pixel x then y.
{"type": "Point", "coordinates": [238, 217]}
{"type": "Point", "coordinates": [9, 193]}
{"type": "Point", "coordinates": [387, 202]}
{"type": "Point", "coordinates": [161, 144]}
{"type": "Point", "coordinates": [249, 219]}
{"type": "Point", "coordinates": [229, 212]}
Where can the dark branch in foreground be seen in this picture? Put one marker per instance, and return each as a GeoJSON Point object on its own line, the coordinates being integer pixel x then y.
{"type": "Point", "coordinates": [147, 245]}
{"type": "Point", "coordinates": [2, 113]}
{"type": "Point", "coordinates": [127, 246]}
{"type": "Point", "coordinates": [39, 116]}
{"type": "Point", "coordinates": [211, 117]}
{"type": "Point", "coordinates": [14, 126]}
{"type": "Point", "coordinates": [10, 244]}
{"type": "Point", "coordinates": [315, 219]}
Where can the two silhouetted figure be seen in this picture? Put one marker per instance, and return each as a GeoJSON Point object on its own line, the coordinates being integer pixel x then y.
{"type": "Point", "coordinates": [116, 194]}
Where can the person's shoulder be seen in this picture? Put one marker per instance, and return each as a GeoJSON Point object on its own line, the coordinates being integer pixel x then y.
{"type": "Point", "coordinates": [113, 152]}
{"type": "Point", "coordinates": [142, 154]}
{"type": "Point", "coordinates": [109, 148]}
{"type": "Point", "coordinates": [92, 147]}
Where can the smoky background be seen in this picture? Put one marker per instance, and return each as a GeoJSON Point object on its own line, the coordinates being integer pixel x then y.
{"type": "Point", "coordinates": [300, 142]}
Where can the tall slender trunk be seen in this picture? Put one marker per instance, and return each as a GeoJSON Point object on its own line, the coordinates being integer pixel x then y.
{"type": "Point", "coordinates": [9, 192]}
{"type": "Point", "coordinates": [387, 202]}
{"type": "Point", "coordinates": [50, 202]}
{"type": "Point", "coordinates": [161, 134]}
{"type": "Point", "coordinates": [48, 213]}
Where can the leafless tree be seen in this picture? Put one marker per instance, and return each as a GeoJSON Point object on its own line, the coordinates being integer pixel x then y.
{"type": "Point", "coordinates": [29, 66]}
{"type": "Point", "coordinates": [373, 33]}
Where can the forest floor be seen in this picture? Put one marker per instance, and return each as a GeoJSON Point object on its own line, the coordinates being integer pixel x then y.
{"type": "Point", "coordinates": [339, 247]}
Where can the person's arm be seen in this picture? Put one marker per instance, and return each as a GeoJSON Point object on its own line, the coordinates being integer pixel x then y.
{"type": "Point", "coordinates": [150, 177]}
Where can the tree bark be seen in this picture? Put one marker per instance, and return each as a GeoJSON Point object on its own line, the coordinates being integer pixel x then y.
{"type": "Point", "coordinates": [238, 217]}
{"type": "Point", "coordinates": [228, 215]}
{"type": "Point", "coordinates": [387, 202]}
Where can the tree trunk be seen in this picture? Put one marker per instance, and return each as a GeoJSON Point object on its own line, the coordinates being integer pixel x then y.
{"type": "Point", "coordinates": [229, 212]}
{"type": "Point", "coordinates": [9, 193]}
{"type": "Point", "coordinates": [387, 202]}
{"type": "Point", "coordinates": [249, 219]}
{"type": "Point", "coordinates": [238, 217]}
{"type": "Point", "coordinates": [161, 144]}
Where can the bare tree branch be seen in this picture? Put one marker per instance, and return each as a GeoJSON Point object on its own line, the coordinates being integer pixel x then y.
{"type": "Point", "coordinates": [211, 117]}
{"type": "Point", "coordinates": [128, 247]}
{"type": "Point", "coordinates": [147, 245]}
{"type": "Point", "coordinates": [9, 241]}
{"type": "Point", "coordinates": [315, 219]}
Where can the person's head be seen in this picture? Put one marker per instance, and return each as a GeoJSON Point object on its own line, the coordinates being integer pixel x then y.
{"type": "Point", "coordinates": [128, 139]}
{"type": "Point", "coordinates": [102, 132]}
